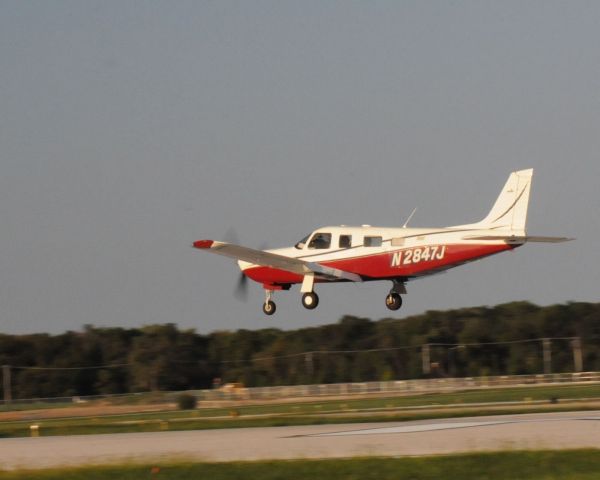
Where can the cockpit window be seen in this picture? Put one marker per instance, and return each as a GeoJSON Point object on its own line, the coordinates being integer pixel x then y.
{"type": "Point", "coordinates": [301, 243]}
{"type": "Point", "coordinates": [320, 241]}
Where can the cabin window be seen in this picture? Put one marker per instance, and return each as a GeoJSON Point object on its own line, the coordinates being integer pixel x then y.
{"type": "Point", "coordinates": [373, 241]}
{"type": "Point", "coordinates": [345, 241]}
{"type": "Point", "coordinates": [320, 241]}
{"type": "Point", "coordinates": [397, 241]}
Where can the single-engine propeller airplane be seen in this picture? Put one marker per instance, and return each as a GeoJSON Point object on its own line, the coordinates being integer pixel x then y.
{"type": "Point", "coordinates": [366, 253]}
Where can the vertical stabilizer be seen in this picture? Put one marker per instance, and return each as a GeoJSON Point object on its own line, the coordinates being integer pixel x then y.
{"type": "Point", "coordinates": [510, 210]}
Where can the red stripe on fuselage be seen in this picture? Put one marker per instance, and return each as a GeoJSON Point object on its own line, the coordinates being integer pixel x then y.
{"type": "Point", "coordinates": [383, 265]}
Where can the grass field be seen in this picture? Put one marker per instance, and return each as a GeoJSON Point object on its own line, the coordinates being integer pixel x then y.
{"type": "Point", "coordinates": [306, 413]}
{"type": "Point", "coordinates": [530, 465]}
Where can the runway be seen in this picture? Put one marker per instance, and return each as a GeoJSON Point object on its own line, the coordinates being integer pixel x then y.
{"type": "Point", "coordinates": [427, 437]}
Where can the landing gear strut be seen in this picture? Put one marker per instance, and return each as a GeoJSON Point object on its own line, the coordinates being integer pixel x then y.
{"type": "Point", "coordinates": [310, 300]}
{"type": "Point", "coordinates": [269, 305]}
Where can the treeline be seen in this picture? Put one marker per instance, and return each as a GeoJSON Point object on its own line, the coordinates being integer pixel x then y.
{"type": "Point", "coordinates": [501, 340]}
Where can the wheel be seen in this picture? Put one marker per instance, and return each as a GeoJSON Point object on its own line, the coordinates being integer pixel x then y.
{"type": "Point", "coordinates": [269, 307]}
{"type": "Point", "coordinates": [393, 301]}
{"type": "Point", "coordinates": [310, 300]}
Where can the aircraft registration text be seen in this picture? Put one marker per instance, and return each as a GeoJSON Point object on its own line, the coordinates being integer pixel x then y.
{"type": "Point", "coordinates": [417, 255]}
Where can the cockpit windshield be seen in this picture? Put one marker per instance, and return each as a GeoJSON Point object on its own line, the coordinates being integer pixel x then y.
{"type": "Point", "coordinates": [300, 245]}
{"type": "Point", "coordinates": [320, 241]}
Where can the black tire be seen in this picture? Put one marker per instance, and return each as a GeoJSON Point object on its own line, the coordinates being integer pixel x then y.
{"type": "Point", "coordinates": [310, 300]}
{"type": "Point", "coordinates": [393, 301]}
{"type": "Point", "coordinates": [269, 307]}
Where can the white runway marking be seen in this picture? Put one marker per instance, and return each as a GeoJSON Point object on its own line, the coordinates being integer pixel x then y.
{"type": "Point", "coordinates": [412, 428]}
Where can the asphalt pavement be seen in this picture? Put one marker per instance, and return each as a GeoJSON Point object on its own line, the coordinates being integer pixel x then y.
{"type": "Point", "coordinates": [426, 437]}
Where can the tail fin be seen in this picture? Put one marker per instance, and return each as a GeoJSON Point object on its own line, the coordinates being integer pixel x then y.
{"type": "Point", "coordinates": [510, 210]}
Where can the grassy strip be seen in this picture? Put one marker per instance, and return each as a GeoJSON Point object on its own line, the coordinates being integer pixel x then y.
{"type": "Point", "coordinates": [565, 392]}
{"type": "Point", "coordinates": [308, 413]}
{"type": "Point", "coordinates": [530, 465]}
{"type": "Point", "coordinates": [510, 394]}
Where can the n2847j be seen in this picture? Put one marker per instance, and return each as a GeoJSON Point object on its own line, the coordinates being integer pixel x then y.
{"type": "Point", "coordinates": [417, 255]}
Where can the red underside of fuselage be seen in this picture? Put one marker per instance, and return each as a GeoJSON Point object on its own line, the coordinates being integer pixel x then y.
{"type": "Point", "coordinates": [381, 266]}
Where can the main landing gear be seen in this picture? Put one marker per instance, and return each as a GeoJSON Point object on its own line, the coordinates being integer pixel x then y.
{"type": "Point", "coordinates": [393, 301]}
{"type": "Point", "coordinates": [310, 300]}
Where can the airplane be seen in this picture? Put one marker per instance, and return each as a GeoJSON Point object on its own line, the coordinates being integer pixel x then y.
{"type": "Point", "coordinates": [398, 254]}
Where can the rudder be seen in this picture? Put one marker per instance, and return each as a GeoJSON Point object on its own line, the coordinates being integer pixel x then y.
{"type": "Point", "coordinates": [510, 210]}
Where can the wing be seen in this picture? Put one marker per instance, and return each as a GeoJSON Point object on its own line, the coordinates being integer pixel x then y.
{"type": "Point", "coordinates": [268, 259]}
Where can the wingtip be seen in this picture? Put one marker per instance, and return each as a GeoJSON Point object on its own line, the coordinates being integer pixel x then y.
{"type": "Point", "coordinates": [203, 243]}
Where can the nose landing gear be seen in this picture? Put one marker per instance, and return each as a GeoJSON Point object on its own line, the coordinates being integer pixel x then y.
{"type": "Point", "coordinates": [269, 306]}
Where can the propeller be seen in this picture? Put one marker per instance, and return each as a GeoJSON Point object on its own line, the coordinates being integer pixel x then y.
{"type": "Point", "coordinates": [241, 289]}
{"type": "Point", "coordinates": [240, 292]}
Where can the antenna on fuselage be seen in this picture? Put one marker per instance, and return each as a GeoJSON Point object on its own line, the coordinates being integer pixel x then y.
{"type": "Point", "coordinates": [409, 217]}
